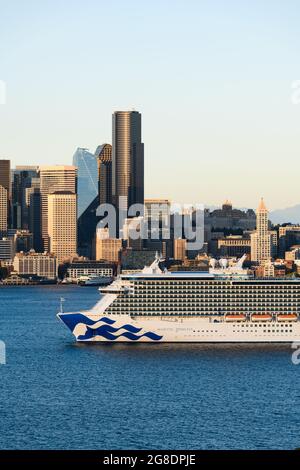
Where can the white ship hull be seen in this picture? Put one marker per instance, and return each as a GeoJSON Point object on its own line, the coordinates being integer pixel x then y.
{"type": "Point", "coordinates": [90, 327]}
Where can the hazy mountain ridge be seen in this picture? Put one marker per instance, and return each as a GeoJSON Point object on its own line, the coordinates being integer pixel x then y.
{"type": "Point", "coordinates": [289, 214]}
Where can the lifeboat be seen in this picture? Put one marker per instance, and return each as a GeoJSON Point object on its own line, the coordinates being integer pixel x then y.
{"type": "Point", "coordinates": [236, 317]}
{"type": "Point", "coordinates": [287, 317]}
{"type": "Point", "coordinates": [261, 317]}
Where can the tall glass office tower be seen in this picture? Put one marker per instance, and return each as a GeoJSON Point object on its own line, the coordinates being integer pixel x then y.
{"type": "Point", "coordinates": [23, 178]}
{"type": "Point", "coordinates": [87, 178]}
{"type": "Point", "coordinates": [127, 159]}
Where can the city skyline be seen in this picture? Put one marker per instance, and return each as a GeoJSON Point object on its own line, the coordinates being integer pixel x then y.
{"type": "Point", "coordinates": [103, 157]}
{"type": "Point", "coordinates": [174, 202]}
{"type": "Point", "coordinates": [241, 129]}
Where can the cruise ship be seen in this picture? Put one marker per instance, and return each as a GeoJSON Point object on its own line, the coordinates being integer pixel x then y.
{"type": "Point", "coordinates": [224, 305]}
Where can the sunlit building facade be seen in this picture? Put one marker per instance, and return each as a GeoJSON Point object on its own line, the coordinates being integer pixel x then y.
{"type": "Point", "coordinates": [3, 210]}
{"type": "Point", "coordinates": [54, 178]}
{"type": "Point", "coordinates": [62, 225]}
{"type": "Point", "coordinates": [262, 240]}
{"type": "Point", "coordinates": [107, 248]}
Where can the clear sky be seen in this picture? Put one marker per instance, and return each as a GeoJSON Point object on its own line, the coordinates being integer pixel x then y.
{"type": "Point", "coordinates": [211, 78]}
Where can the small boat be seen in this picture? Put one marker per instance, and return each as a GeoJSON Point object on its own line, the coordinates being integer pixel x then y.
{"type": "Point", "coordinates": [235, 317]}
{"type": "Point", "coordinates": [287, 317]}
{"type": "Point", "coordinates": [261, 317]}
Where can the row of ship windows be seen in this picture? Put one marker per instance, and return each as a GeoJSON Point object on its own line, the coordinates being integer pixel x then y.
{"type": "Point", "coordinates": [215, 291]}
{"type": "Point", "coordinates": [263, 331]}
{"type": "Point", "coordinates": [204, 305]}
{"type": "Point", "coordinates": [197, 293]}
{"type": "Point", "coordinates": [219, 291]}
{"type": "Point", "coordinates": [160, 300]}
{"type": "Point", "coordinates": [221, 283]}
{"type": "Point", "coordinates": [211, 308]}
{"type": "Point", "coordinates": [291, 300]}
{"type": "Point", "coordinates": [216, 285]}
{"type": "Point", "coordinates": [213, 303]}
{"type": "Point", "coordinates": [245, 331]}
{"type": "Point", "coordinates": [240, 325]}
{"type": "Point", "coordinates": [203, 312]}
{"type": "Point", "coordinates": [263, 326]}
{"type": "Point", "coordinates": [200, 297]}
{"type": "Point", "coordinates": [223, 288]}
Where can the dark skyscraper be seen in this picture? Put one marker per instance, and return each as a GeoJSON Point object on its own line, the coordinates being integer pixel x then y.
{"type": "Point", "coordinates": [34, 217]}
{"type": "Point", "coordinates": [104, 157]}
{"type": "Point", "coordinates": [86, 229]}
{"type": "Point", "coordinates": [5, 175]}
{"type": "Point", "coordinates": [22, 181]}
{"type": "Point", "coordinates": [127, 159]}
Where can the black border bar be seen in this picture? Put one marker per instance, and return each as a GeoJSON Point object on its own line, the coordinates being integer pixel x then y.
{"type": "Point", "coordinates": [134, 459]}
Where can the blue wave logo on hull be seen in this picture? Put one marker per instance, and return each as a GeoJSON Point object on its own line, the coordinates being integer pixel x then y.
{"type": "Point", "coordinates": [106, 330]}
{"type": "Point", "coordinates": [72, 320]}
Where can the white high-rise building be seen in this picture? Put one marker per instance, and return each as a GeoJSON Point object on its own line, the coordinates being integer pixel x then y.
{"type": "Point", "coordinates": [262, 238]}
{"type": "Point", "coordinates": [62, 224]}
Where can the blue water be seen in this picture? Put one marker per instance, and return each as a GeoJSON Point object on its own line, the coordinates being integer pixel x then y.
{"type": "Point", "coordinates": [56, 394]}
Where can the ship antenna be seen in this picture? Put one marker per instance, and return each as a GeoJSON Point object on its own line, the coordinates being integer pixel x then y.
{"type": "Point", "coordinates": [62, 300]}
